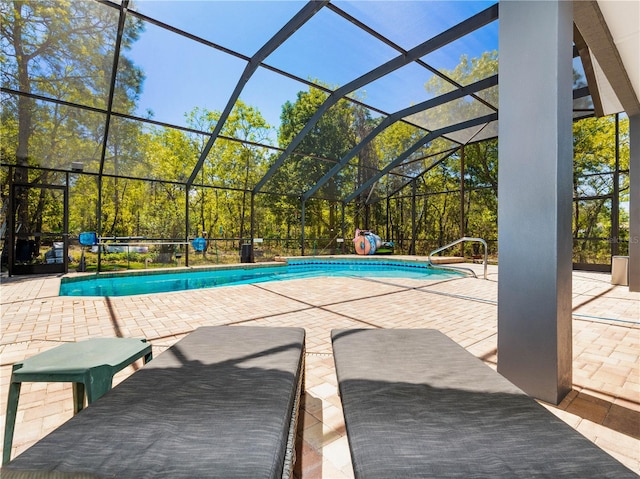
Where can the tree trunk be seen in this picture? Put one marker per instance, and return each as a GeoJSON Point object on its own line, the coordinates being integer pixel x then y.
{"type": "Point", "coordinates": [24, 124]}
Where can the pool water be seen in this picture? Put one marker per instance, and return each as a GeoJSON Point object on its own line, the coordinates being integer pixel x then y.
{"type": "Point", "coordinates": [132, 284]}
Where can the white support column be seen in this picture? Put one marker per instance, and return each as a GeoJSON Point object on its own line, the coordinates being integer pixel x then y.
{"type": "Point", "coordinates": [634, 203]}
{"type": "Point", "coordinates": [535, 196]}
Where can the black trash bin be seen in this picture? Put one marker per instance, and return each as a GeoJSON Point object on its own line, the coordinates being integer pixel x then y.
{"type": "Point", "coordinates": [246, 253]}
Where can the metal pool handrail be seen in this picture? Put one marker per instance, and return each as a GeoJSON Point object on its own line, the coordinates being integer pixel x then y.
{"type": "Point", "coordinates": [465, 238]}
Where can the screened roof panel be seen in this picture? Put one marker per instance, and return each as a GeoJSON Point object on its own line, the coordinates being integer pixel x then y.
{"type": "Point", "coordinates": [83, 27]}
{"type": "Point", "coordinates": [330, 49]}
{"type": "Point", "coordinates": [65, 135]}
{"type": "Point", "coordinates": [468, 59]}
{"type": "Point", "coordinates": [175, 79]}
{"type": "Point", "coordinates": [408, 165]}
{"type": "Point", "coordinates": [299, 172]}
{"type": "Point", "coordinates": [450, 113]}
{"type": "Point", "coordinates": [442, 147]}
{"type": "Point", "coordinates": [583, 107]}
{"type": "Point", "coordinates": [398, 179]}
{"type": "Point", "coordinates": [200, 76]}
{"type": "Point", "coordinates": [424, 158]}
{"type": "Point", "coordinates": [490, 95]}
{"type": "Point", "coordinates": [399, 89]}
{"type": "Point", "coordinates": [246, 124]}
{"type": "Point", "coordinates": [219, 21]}
{"type": "Point", "coordinates": [408, 23]}
{"type": "Point", "coordinates": [269, 104]}
{"type": "Point", "coordinates": [140, 150]}
{"type": "Point", "coordinates": [395, 139]}
{"type": "Point", "coordinates": [232, 164]}
{"type": "Point", "coordinates": [410, 169]}
{"type": "Point", "coordinates": [489, 131]}
{"type": "Point", "coordinates": [476, 133]}
{"type": "Point", "coordinates": [345, 180]}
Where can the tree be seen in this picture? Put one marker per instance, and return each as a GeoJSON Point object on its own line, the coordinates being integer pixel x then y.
{"type": "Point", "coordinates": [219, 196]}
{"type": "Point", "coordinates": [368, 163]}
{"type": "Point", "coordinates": [63, 50]}
{"type": "Point", "coordinates": [480, 158]}
{"type": "Point", "coordinates": [466, 72]}
{"type": "Point", "coordinates": [331, 138]}
{"type": "Point", "coordinates": [594, 188]}
{"type": "Point", "coordinates": [242, 163]}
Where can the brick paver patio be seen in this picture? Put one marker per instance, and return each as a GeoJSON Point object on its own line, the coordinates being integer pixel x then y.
{"type": "Point", "coordinates": [604, 404]}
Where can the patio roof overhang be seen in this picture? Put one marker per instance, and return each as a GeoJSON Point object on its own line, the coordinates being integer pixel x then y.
{"type": "Point", "coordinates": [608, 36]}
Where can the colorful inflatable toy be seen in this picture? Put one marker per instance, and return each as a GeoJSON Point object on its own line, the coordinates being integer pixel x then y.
{"type": "Point", "coordinates": [367, 243]}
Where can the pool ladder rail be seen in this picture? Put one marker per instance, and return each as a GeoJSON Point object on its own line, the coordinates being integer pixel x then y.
{"type": "Point", "coordinates": [460, 268]}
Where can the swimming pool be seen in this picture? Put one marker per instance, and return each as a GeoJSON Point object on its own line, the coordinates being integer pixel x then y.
{"type": "Point", "coordinates": [160, 282]}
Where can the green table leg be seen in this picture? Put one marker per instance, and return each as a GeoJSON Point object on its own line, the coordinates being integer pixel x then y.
{"type": "Point", "coordinates": [98, 382]}
{"type": "Point", "coordinates": [96, 385]}
{"type": "Point", "coordinates": [78, 397]}
{"type": "Point", "coordinates": [10, 423]}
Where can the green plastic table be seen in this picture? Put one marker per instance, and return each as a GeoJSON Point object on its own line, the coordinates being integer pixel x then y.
{"type": "Point", "coordinates": [90, 365]}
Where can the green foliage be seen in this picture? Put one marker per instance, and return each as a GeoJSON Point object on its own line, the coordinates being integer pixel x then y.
{"type": "Point", "coordinates": [594, 187]}
{"type": "Point", "coordinates": [332, 137]}
{"type": "Point", "coordinates": [457, 111]}
{"type": "Point", "coordinates": [64, 49]}
{"type": "Point", "coordinates": [438, 204]}
{"type": "Point", "coordinates": [232, 166]}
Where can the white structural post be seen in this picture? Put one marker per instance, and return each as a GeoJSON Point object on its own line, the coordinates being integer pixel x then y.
{"type": "Point", "coordinates": [634, 203]}
{"type": "Point", "coordinates": [535, 196]}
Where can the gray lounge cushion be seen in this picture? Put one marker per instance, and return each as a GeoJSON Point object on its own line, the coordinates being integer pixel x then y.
{"type": "Point", "coordinates": [216, 404]}
{"type": "Point", "coordinates": [12, 474]}
{"type": "Point", "coordinates": [418, 405]}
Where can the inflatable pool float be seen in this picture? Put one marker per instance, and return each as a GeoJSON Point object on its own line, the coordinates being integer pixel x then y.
{"type": "Point", "coordinates": [367, 243]}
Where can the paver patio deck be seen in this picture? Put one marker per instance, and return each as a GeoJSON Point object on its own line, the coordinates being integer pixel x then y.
{"type": "Point", "coordinates": [604, 404]}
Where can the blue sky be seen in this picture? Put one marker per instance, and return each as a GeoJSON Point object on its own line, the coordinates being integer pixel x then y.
{"type": "Point", "coordinates": [182, 74]}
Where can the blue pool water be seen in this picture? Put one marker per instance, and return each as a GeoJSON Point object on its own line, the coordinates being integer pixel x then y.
{"type": "Point", "coordinates": [131, 284]}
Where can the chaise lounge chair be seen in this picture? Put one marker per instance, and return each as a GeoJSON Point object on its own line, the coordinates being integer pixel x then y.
{"type": "Point", "coordinates": [418, 405]}
{"type": "Point", "coordinates": [220, 403]}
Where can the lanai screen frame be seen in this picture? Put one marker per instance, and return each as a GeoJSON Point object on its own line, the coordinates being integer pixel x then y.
{"type": "Point", "coordinates": [308, 10]}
